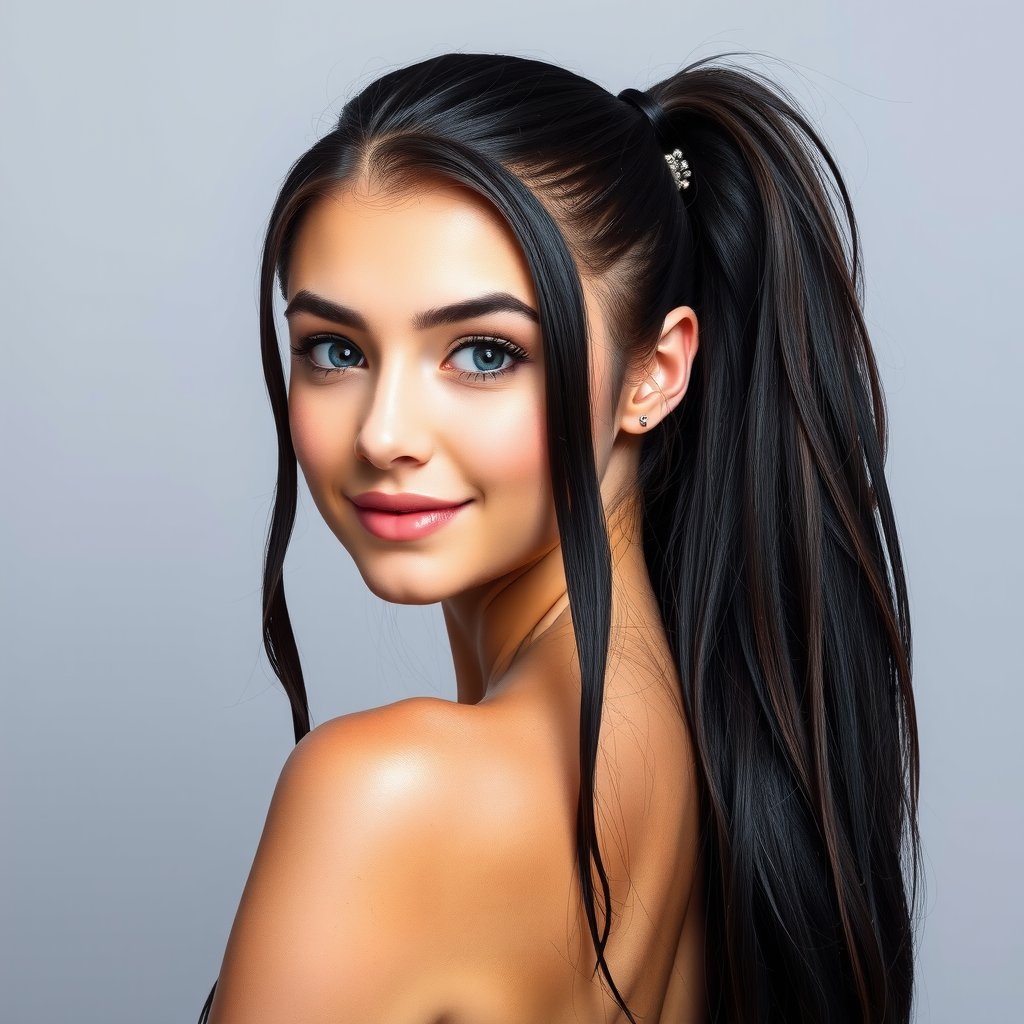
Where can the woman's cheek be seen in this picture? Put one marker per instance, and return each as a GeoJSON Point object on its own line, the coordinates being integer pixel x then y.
{"type": "Point", "coordinates": [513, 463]}
{"type": "Point", "coordinates": [318, 442]}
{"type": "Point", "coordinates": [509, 443]}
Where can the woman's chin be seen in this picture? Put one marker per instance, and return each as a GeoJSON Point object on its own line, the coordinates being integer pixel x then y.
{"type": "Point", "coordinates": [404, 588]}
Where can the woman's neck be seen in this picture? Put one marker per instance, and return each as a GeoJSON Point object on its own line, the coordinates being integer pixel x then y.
{"type": "Point", "coordinates": [492, 628]}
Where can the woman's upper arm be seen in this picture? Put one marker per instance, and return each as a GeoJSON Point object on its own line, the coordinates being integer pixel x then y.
{"type": "Point", "coordinates": [337, 919]}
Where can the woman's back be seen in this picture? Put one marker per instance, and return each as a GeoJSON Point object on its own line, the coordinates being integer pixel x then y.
{"type": "Point", "coordinates": [468, 911]}
{"type": "Point", "coordinates": [533, 959]}
{"type": "Point", "coordinates": [513, 930]}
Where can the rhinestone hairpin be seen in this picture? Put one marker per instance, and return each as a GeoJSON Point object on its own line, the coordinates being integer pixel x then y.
{"type": "Point", "coordinates": [680, 168]}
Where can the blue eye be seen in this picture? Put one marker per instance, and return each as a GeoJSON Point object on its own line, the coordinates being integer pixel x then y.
{"type": "Point", "coordinates": [488, 354]}
{"type": "Point", "coordinates": [337, 352]}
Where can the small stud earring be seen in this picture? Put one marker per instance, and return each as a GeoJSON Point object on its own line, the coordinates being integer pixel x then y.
{"type": "Point", "coordinates": [643, 421]}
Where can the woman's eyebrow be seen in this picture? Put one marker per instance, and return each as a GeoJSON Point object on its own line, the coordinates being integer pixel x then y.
{"type": "Point", "coordinates": [494, 302]}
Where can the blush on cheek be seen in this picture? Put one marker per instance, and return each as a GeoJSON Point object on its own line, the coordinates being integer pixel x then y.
{"type": "Point", "coordinates": [301, 430]}
{"type": "Point", "coordinates": [316, 441]}
{"type": "Point", "coordinates": [525, 455]}
{"type": "Point", "coordinates": [516, 474]}
{"type": "Point", "coordinates": [512, 445]}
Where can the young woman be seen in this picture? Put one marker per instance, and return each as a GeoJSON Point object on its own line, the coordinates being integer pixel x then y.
{"type": "Point", "coordinates": [591, 371]}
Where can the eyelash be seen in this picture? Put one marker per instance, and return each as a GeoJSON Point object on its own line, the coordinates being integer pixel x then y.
{"type": "Point", "coordinates": [519, 355]}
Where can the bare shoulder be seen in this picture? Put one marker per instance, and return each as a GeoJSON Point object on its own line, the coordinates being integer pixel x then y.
{"type": "Point", "coordinates": [410, 727]}
{"type": "Point", "coordinates": [388, 871]}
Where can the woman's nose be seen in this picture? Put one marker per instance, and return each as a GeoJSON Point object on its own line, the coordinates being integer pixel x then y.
{"type": "Point", "coordinates": [396, 423]}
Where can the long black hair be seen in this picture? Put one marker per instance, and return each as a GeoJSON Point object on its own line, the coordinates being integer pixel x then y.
{"type": "Point", "coordinates": [767, 524]}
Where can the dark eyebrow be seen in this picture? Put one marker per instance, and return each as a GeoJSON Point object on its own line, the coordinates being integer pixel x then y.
{"type": "Point", "coordinates": [494, 302]}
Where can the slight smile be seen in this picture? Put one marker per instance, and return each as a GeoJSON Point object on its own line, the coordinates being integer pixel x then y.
{"type": "Point", "coordinates": [410, 525]}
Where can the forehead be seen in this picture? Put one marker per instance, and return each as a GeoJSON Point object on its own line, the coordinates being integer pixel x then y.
{"type": "Point", "coordinates": [408, 250]}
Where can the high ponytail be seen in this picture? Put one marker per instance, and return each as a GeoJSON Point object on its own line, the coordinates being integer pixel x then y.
{"type": "Point", "coordinates": [768, 530]}
{"type": "Point", "coordinates": [780, 579]}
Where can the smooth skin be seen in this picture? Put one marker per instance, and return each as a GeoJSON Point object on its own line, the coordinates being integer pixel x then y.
{"type": "Point", "coordinates": [417, 865]}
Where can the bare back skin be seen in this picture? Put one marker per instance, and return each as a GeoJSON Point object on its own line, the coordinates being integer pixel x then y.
{"type": "Point", "coordinates": [470, 911]}
{"type": "Point", "coordinates": [647, 829]}
{"type": "Point", "coordinates": [531, 956]}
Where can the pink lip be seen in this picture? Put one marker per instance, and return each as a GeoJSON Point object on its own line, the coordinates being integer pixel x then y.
{"type": "Point", "coordinates": [404, 502]}
{"type": "Point", "coordinates": [405, 525]}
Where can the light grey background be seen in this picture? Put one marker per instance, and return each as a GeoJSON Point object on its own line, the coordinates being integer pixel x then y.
{"type": "Point", "coordinates": [142, 729]}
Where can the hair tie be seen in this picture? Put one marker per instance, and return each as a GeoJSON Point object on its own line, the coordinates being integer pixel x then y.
{"type": "Point", "coordinates": [658, 119]}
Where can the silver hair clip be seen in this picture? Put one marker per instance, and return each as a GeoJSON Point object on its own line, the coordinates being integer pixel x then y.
{"type": "Point", "coordinates": [680, 168]}
{"type": "Point", "coordinates": [657, 118]}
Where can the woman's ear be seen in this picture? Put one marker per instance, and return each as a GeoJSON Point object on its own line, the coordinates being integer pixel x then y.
{"type": "Point", "coordinates": [665, 377]}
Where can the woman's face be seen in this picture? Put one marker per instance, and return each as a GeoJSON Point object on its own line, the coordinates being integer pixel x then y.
{"type": "Point", "coordinates": [390, 398]}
